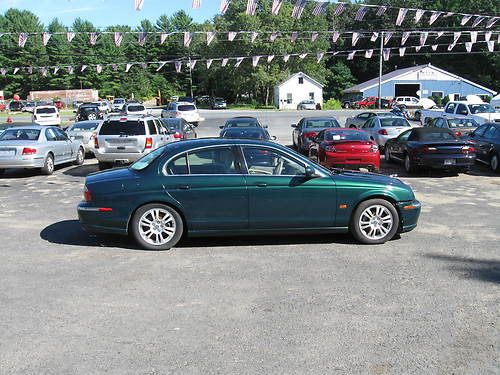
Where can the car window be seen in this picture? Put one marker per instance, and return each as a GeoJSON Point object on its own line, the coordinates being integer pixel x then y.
{"type": "Point", "coordinates": [242, 133]}
{"type": "Point", "coordinates": [152, 127]}
{"type": "Point", "coordinates": [462, 123]}
{"type": "Point", "coordinates": [20, 134]}
{"type": "Point", "coordinates": [217, 160]}
{"type": "Point", "coordinates": [178, 165]}
{"type": "Point", "coordinates": [403, 137]}
{"type": "Point", "coordinates": [136, 108]}
{"type": "Point", "coordinates": [61, 136]}
{"type": "Point", "coordinates": [388, 122]}
{"type": "Point", "coordinates": [50, 134]}
{"type": "Point", "coordinates": [263, 161]}
{"type": "Point", "coordinates": [450, 108]}
{"type": "Point", "coordinates": [241, 122]}
{"type": "Point", "coordinates": [497, 133]}
{"type": "Point", "coordinates": [146, 160]}
{"type": "Point", "coordinates": [462, 110]}
{"type": "Point", "coordinates": [321, 136]}
{"type": "Point", "coordinates": [45, 110]}
{"type": "Point", "coordinates": [436, 136]}
{"type": "Point", "coordinates": [128, 127]}
{"type": "Point", "coordinates": [186, 107]}
{"type": "Point", "coordinates": [363, 116]}
{"type": "Point", "coordinates": [322, 123]}
{"type": "Point", "coordinates": [369, 124]}
{"type": "Point", "coordinates": [481, 108]}
{"type": "Point", "coordinates": [489, 132]}
{"type": "Point", "coordinates": [346, 135]}
{"type": "Point", "coordinates": [87, 126]}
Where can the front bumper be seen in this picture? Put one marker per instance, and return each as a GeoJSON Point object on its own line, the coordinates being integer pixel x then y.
{"type": "Point", "coordinates": [409, 213]}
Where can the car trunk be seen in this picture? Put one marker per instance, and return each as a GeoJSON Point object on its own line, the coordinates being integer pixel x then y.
{"type": "Point", "coordinates": [395, 130]}
{"type": "Point", "coordinates": [447, 148]}
{"type": "Point", "coordinates": [356, 147]}
{"type": "Point", "coordinates": [14, 149]}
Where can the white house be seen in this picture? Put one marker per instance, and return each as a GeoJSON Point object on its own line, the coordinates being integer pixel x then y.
{"type": "Point", "coordinates": [296, 88]}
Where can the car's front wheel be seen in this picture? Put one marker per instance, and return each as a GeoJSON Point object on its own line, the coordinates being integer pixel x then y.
{"type": "Point", "coordinates": [156, 227]}
{"type": "Point", "coordinates": [494, 163]}
{"type": "Point", "coordinates": [409, 165]}
{"type": "Point", "coordinates": [375, 221]}
{"type": "Point", "coordinates": [80, 156]}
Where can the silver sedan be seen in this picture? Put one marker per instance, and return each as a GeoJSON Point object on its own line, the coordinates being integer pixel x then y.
{"type": "Point", "coordinates": [37, 146]}
{"type": "Point", "coordinates": [85, 132]}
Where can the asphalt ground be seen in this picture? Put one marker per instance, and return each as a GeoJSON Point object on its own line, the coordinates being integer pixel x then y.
{"type": "Point", "coordinates": [424, 303]}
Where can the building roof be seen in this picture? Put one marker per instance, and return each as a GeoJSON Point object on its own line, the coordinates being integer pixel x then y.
{"type": "Point", "coordinates": [300, 74]}
{"type": "Point", "coordinates": [400, 72]}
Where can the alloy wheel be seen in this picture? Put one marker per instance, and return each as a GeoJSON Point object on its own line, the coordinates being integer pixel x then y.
{"type": "Point", "coordinates": [376, 222]}
{"type": "Point", "coordinates": [494, 162]}
{"type": "Point", "coordinates": [157, 226]}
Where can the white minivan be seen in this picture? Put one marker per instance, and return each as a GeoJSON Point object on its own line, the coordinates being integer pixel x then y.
{"type": "Point", "coordinates": [46, 115]}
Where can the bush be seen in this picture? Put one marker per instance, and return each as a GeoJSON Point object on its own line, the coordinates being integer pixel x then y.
{"type": "Point", "coordinates": [332, 104]}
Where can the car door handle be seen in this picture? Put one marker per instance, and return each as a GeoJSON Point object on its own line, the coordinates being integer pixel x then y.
{"type": "Point", "coordinates": [184, 187]}
{"type": "Point", "coordinates": [261, 184]}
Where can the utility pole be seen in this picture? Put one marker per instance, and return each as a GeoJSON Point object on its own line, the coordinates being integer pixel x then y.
{"type": "Point", "coordinates": [380, 70]}
{"type": "Point", "coordinates": [190, 78]}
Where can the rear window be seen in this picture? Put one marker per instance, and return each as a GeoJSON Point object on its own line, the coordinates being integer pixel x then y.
{"type": "Point", "coordinates": [436, 137]}
{"type": "Point", "coordinates": [118, 101]}
{"type": "Point", "coordinates": [387, 122]}
{"type": "Point", "coordinates": [116, 127]}
{"type": "Point", "coordinates": [339, 135]}
{"type": "Point", "coordinates": [462, 123]}
{"type": "Point", "coordinates": [20, 135]}
{"type": "Point", "coordinates": [135, 108]}
{"type": "Point", "coordinates": [45, 110]}
{"type": "Point", "coordinates": [85, 126]}
{"type": "Point", "coordinates": [244, 134]}
{"type": "Point", "coordinates": [186, 107]}
{"type": "Point", "coordinates": [322, 123]}
{"type": "Point", "coordinates": [241, 122]}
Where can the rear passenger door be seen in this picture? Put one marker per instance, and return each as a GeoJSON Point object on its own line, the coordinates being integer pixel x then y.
{"type": "Point", "coordinates": [210, 187]}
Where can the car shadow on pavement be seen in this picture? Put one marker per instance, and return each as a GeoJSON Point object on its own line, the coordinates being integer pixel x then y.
{"type": "Point", "coordinates": [82, 170]}
{"type": "Point", "coordinates": [466, 268]}
{"type": "Point", "coordinates": [70, 232]}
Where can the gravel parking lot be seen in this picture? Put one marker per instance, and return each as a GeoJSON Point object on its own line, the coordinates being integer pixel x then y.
{"type": "Point", "coordinates": [424, 303]}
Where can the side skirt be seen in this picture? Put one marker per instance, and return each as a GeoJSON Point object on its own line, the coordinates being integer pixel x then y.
{"type": "Point", "coordinates": [277, 231]}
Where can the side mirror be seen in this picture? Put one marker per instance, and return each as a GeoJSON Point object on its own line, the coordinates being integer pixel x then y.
{"type": "Point", "coordinates": [221, 127]}
{"type": "Point", "coordinates": [274, 138]}
{"type": "Point", "coordinates": [294, 125]}
{"type": "Point", "coordinates": [265, 126]}
{"type": "Point", "coordinates": [310, 172]}
{"type": "Point", "coordinates": [74, 111]}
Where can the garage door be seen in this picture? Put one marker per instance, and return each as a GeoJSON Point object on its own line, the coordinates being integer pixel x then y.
{"type": "Point", "coordinates": [406, 89]}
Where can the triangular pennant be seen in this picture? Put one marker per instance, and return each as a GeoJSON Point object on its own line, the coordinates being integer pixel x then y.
{"type": "Point", "coordinates": [162, 64]}
{"type": "Point", "coordinates": [44, 71]}
{"type": "Point", "coordinates": [350, 55]}
{"type": "Point", "coordinates": [473, 36]}
{"type": "Point", "coordinates": [239, 60]}
{"type": "Point", "coordinates": [138, 4]}
{"type": "Point", "coordinates": [477, 21]}
{"type": "Point", "coordinates": [319, 56]}
{"type": "Point", "coordinates": [192, 64]}
{"type": "Point", "coordinates": [127, 67]}
{"type": "Point", "coordinates": [196, 4]}
{"type": "Point", "coordinates": [355, 37]}
{"type": "Point", "coordinates": [434, 47]}
{"type": "Point", "coordinates": [335, 36]}
{"type": "Point", "coordinates": [402, 51]}
{"type": "Point", "coordinates": [275, 9]}
{"type": "Point", "coordinates": [374, 36]}
{"type": "Point", "coordinates": [23, 37]}
{"type": "Point", "coordinates": [83, 68]}
{"type": "Point", "coordinates": [468, 46]}
{"type": "Point", "coordinates": [210, 37]}
{"type": "Point", "coordinates": [368, 53]}
{"type": "Point", "coordinates": [465, 19]}
{"type": "Point", "coordinates": [314, 36]}
{"type": "Point", "coordinates": [418, 15]}
{"type": "Point", "coordinates": [387, 36]}
{"type": "Point", "coordinates": [255, 60]}
{"type": "Point", "coordinates": [487, 36]}
{"type": "Point", "coordinates": [456, 36]}
{"type": "Point", "coordinates": [178, 66]}
{"type": "Point", "coordinates": [30, 70]}
{"type": "Point", "coordinates": [386, 52]}
{"type": "Point", "coordinates": [70, 36]}
{"type": "Point", "coordinates": [118, 38]}
{"type": "Point", "coordinates": [98, 68]}
{"type": "Point", "coordinates": [302, 56]}
{"type": "Point", "coordinates": [253, 36]}
{"type": "Point", "coordinates": [434, 16]}
{"type": "Point", "coordinates": [439, 34]}
{"type": "Point", "coordinates": [114, 67]}
{"type": "Point", "coordinates": [491, 45]}
{"type": "Point", "coordinates": [141, 38]}
{"type": "Point", "coordinates": [70, 69]}
{"type": "Point", "coordinates": [224, 5]}
{"type": "Point", "coordinates": [56, 69]}
{"type": "Point", "coordinates": [224, 61]}
{"type": "Point", "coordinates": [270, 58]}
{"type": "Point", "coordinates": [401, 16]}
{"type": "Point", "coordinates": [45, 38]}
{"type": "Point", "coordinates": [491, 22]}
{"type": "Point", "coordinates": [3, 71]}
{"type": "Point", "coordinates": [144, 65]}
{"type": "Point", "coordinates": [15, 70]}
{"type": "Point", "coordinates": [417, 48]}
{"type": "Point", "coordinates": [404, 37]}
{"type": "Point", "coordinates": [286, 58]}
{"type": "Point", "coordinates": [188, 37]}
{"type": "Point", "coordinates": [163, 37]}
{"type": "Point", "coordinates": [273, 36]}
{"type": "Point", "coordinates": [231, 35]}
{"type": "Point", "coordinates": [93, 38]}
{"type": "Point", "coordinates": [294, 36]}
{"type": "Point", "coordinates": [251, 7]}
{"type": "Point", "coordinates": [209, 63]}
{"type": "Point", "coordinates": [423, 37]}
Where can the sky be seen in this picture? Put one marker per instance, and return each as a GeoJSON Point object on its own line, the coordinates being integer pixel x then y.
{"type": "Point", "coordinates": [109, 12]}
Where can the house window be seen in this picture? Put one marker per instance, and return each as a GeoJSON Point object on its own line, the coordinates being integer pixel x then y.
{"type": "Point", "coordinates": [289, 98]}
{"type": "Point", "coordinates": [301, 80]}
{"type": "Point", "coordinates": [437, 94]}
{"type": "Point", "coordinates": [311, 95]}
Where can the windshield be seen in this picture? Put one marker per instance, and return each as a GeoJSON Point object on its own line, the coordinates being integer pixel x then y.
{"type": "Point", "coordinates": [45, 110]}
{"type": "Point", "coordinates": [308, 102]}
{"type": "Point", "coordinates": [89, 126]}
{"type": "Point", "coordinates": [322, 123]}
{"type": "Point", "coordinates": [342, 135]}
{"type": "Point", "coordinates": [146, 160]}
{"type": "Point", "coordinates": [116, 127]}
{"type": "Point", "coordinates": [186, 107]}
{"type": "Point", "coordinates": [462, 123]}
{"type": "Point", "coordinates": [20, 135]}
{"type": "Point", "coordinates": [394, 121]}
{"type": "Point", "coordinates": [136, 108]}
{"type": "Point", "coordinates": [244, 134]}
{"type": "Point", "coordinates": [481, 108]}
{"type": "Point", "coordinates": [241, 122]}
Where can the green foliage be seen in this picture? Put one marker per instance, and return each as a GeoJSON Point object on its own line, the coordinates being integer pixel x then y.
{"type": "Point", "coordinates": [331, 104]}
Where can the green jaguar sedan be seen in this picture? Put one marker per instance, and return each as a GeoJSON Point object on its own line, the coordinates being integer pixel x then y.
{"type": "Point", "coordinates": [219, 187]}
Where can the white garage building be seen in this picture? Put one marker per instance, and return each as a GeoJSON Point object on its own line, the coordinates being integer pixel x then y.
{"type": "Point", "coordinates": [296, 88]}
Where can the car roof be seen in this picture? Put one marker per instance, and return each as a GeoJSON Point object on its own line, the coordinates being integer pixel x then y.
{"type": "Point", "coordinates": [319, 118]}
{"type": "Point", "coordinates": [187, 145]}
{"type": "Point", "coordinates": [242, 117]}
{"type": "Point", "coordinates": [34, 127]}
{"type": "Point", "coordinates": [46, 106]}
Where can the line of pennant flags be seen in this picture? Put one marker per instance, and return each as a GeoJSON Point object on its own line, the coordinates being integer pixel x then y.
{"type": "Point", "coordinates": [320, 7]}
{"type": "Point", "coordinates": [272, 36]}
{"type": "Point", "coordinates": [191, 63]}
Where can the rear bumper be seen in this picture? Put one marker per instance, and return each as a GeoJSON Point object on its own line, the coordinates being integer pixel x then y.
{"type": "Point", "coordinates": [118, 157]}
{"type": "Point", "coordinates": [37, 162]}
{"type": "Point", "coordinates": [438, 161]}
{"type": "Point", "coordinates": [94, 221]}
{"type": "Point", "coordinates": [352, 161]}
{"type": "Point", "coordinates": [48, 122]}
{"type": "Point", "coordinates": [409, 213]}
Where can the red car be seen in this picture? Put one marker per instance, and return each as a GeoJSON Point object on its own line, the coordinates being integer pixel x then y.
{"type": "Point", "coordinates": [367, 102]}
{"type": "Point", "coordinates": [346, 148]}
{"type": "Point", "coordinates": [58, 104]}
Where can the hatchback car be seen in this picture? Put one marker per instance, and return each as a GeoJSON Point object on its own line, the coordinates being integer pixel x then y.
{"type": "Point", "coordinates": [85, 132]}
{"type": "Point", "coordinates": [118, 104]}
{"type": "Point", "coordinates": [185, 110]}
{"type": "Point", "coordinates": [486, 140]}
{"type": "Point", "coordinates": [381, 129]}
{"type": "Point", "coordinates": [46, 115]}
{"type": "Point", "coordinates": [123, 140]}
{"type": "Point", "coordinates": [308, 128]}
{"type": "Point", "coordinates": [240, 187]}
{"type": "Point", "coordinates": [37, 146]}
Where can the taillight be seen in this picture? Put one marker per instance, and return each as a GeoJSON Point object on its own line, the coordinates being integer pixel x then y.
{"type": "Point", "coordinates": [96, 142]}
{"type": "Point", "coordinates": [29, 151]}
{"type": "Point", "coordinates": [87, 195]}
{"type": "Point", "coordinates": [373, 148]}
{"type": "Point", "coordinates": [458, 134]}
{"type": "Point", "coordinates": [310, 134]}
{"type": "Point", "coordinates": [149, 143]}
{"type": "Point", "coordinates": [177, 135]}
{"type": "Point", "coordinates": [330, 149]}
{"type": "Point", "coordinates": [467, 149]}
{"type": "Point", "coordinates": [382, 132]}
{"type": "Point", "coordinates": [429, 149]}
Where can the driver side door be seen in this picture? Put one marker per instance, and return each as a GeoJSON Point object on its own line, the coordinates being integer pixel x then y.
{"type": "Point", "coordinates": [280, 194]}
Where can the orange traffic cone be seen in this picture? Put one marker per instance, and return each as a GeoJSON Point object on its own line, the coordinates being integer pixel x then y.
{"type": "Point", "coordinates": [9, 120]}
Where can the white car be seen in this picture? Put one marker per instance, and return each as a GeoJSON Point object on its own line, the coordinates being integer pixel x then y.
{"type": "Point", "coordinates": [185, 110]}
{"type": "Point", "coordinates": [118, 104]}
{"type": "Point", "coordinates": [481, 112]}
{"type": "Point", "coordinates": [103, 106]}
{"type": "Point", "coordinates": [306, 104]}
{"type": "Point", "coordinates": [135, 109]}
{"type": "Point", "coordinates": [46, 115]}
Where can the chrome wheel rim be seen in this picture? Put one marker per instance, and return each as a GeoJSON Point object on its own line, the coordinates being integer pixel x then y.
{"type": "Point", "coordinates": [50, 164]}
{"type": "Point", "coordinates": [157, 226]}
{"type": "Point", "coordinates": [79, 156]}
{"type": "Point", "coordinates": [376, 222]}
{"type": "Point", "coordinates": [494, 162]}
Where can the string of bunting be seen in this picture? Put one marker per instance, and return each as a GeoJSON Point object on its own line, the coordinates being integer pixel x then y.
{"type": "Point", "coordinates": [321, 7]}
{"type": "Point", "coordinates": [192, 62]}
{"type": "Point", "coordinates": [187, 37]}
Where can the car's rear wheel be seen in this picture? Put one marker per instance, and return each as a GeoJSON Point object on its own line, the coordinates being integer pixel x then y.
{"type": "Point", "coordinates": [80, 156]}
{"type": "Point", "coordinates": [409, 165]}
{"type": "Point", "coordinates": [156, 227]}
{"type": "Point", "coordinates": [48, 165]}
{"type": "Point", "coordinates": [375, 221]}
{"type": "Point", "coordinates": [494, 163]}
{"type": "Point", "coordinates": [103, 165]}
{"type": "Point", "coordinates": [387, 155]}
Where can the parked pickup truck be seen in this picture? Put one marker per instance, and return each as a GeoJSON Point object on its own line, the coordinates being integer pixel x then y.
{"type": "Point", "coordinates": [481, 112]}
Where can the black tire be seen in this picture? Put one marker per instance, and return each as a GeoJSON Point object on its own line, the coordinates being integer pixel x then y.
{"type": "Point", "coordinates": [346, 105]}
{"type": "Point", "coordinates": [495, 163]}
{"type": "Point", "coordinates": [353, 127]}
{"type": "Point", "coordinates": [103, 165]}
{"type": "Point", "coordinates": [2, 171]}
{"type": "Point", "coordinates": [387, 155]}
{"type": "Point", "coordinates": [48, 165]}
{"type": "Point", "coordinates": [80, 156]}
{"type": "Point", "coordinates": [372, 204]}
{"type": "Point", "coordinates": [409, 165]}
{"type": "Point", "coordinates": [176, 222]}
